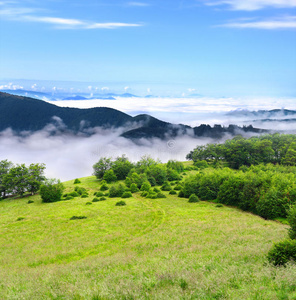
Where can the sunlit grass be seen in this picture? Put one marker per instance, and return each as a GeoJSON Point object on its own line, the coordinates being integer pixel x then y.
{"type": "Point", "coordinates": [149, 249]}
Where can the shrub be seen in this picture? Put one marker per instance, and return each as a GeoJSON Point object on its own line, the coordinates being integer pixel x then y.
{"type": "Point", "coordinates": [292, 222]}
{"type": "Point", "coordinates": [272, 205]}
{"type": "Point", "coordinates": [104, 187]}
{"type": "Point", "coordinates": [51, 191]}
{"type": "Point", "coordinates": [116, 191]}
{"type": "Point", "coordinates": [126, 195]}
{"type": "Point", "coordinates": [193, 198]}
{"type": "Point", "coordinates": [109, 176]}
{"type": "Point", "coordinates": [282, 252]}
{"type": "Point", "coordinates": [30, 201]}
{"type": "Point", "coordinates": [95, 199]}
{"type": "Point", "coordinates": [120, 203]}
{"type": "Point", "coordinates": [84, 196]}
{"type": "Point", "coordinates": [88, 203]}
{"type": "Point", "coordinates": [219, 205]}
{"type": "Point", "coordinates": [99, 194]}
{"type": "Point", "coordinates": [178, 187]}
{"type": "Point", "coordinates": [181, 194]}
{"type": "Point", "coordinates": [20, 218]}
{"type": "Point", "coordinates": [144, 194]}
{"type": "Point", "coordinates": [80, 190]}
{"type": "Point", "coordinates": [166, 187]}
{"type": "Point", "coordinates": [78, 217]}
{"type": "Point", "coordinates": [76, 181]}
{"type": "Point", "coordinates": [102, 199]}
{"type": "Point", "coordinates": [134, 188]}
{"type": "Point", "coordinates": [156, 190]}
{"type": "Point", "coordinates": [146, 186]}
{"type": "Point", "coordinates": [152, 195]}
{"type": "Point", "coordinates": [172, 192]}
{"type": "Point", "coordinates": [161, 195]}
{"type": "Point", "coordinates": [73, 194]}
{"type": "Point", "coordinates": [69, 198]}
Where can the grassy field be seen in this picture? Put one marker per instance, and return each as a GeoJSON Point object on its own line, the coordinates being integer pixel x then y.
{"type": "Point", "coordinates": [149, 249]}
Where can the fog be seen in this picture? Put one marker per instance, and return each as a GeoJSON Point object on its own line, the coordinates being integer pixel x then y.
{"type": "Point", "coordinates": [68, 156]}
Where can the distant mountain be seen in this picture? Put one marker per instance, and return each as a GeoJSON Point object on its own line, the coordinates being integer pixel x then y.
{"type": "Point", "coordinates": [28, 114]}
{"type": "Point", "coordinates": [27, 93]}
{"type": "Point", "coordinates": [77, 97]}
{"type": "Point", "coordinates": [274, 113]}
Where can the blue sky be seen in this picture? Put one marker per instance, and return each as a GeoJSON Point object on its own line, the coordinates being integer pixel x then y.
{"type": "Point", "coordinates": [209, 47]}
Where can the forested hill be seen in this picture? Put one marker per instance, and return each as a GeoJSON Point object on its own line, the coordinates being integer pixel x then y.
{"type": "Point", "coordinates": [29, 114]}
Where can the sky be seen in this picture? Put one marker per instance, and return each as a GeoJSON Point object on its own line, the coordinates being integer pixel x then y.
{"type": "Point", "coordinates": [219, 48]}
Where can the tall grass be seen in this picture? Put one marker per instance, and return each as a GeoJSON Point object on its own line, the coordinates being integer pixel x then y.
{"type": "Point", "coordinates": [149, 249]}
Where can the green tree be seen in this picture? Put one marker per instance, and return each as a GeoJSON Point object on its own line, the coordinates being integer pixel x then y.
{"type": "Point", "coordinates": [121, 167]}
{"type": "Point", "coordinates": [35, 177]}
{"type": "Point", "coordinates": [51, 191]}
{"type": "Point", "coordinates": [5, 166]}
{"type": "Point", "coordinates": [16, 180]}
{"type": "Point", "coordinates": [102, 166]}
{"type": "Point", "coordinates": [109, 176]}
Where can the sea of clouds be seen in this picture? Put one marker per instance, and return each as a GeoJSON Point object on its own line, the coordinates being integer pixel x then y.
{"type": "Point", "coordinates": [69, 156]}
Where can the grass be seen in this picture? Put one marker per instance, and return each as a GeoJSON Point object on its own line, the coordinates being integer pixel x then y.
{"type": "Point", "coordinates": [149, 249]}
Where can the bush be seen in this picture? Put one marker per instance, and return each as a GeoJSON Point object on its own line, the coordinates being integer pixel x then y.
{"type": "Point", "coordinates": [30, 201]}
{"type": "Point", "coordinates": [69, 198]}
{"type": "Point", "coordinates": [134, 188]}
{"type": "Point", "coordinates": [144, 194]}
{"type": "Point", "coordinates": [73, 194]}
{"type": "Point", "coordinates": [120, 203]}
{"type": "Point", "coordinates": [80, 190]}
{"type": "Point", "coordinates": [76, 181]}
{"type": "Point", "coordinates": [193, 198]}
{"type": "Point", "coordinates": [282, 252]}
{"type": "Point", "coordinates": [99, 194]}
{"type": "Point", "coordinates": [161, 195]}
{"type": "Point", "coordinates": [172, 192]}
{"type": "Point", "coordinates": [292, 222]}
{"type": "Point", "coordinates": [181, 194]}
{"type": "Point", "coordinates": [126, 195]}
{"type": "Point", "coordinates": [109, 176]}
{"type": "Point", "coordinates": [95, 199]}
{"type": "Point", "coordinates": [103, 199]}
{"type": "Point", "coordinates": [219, 205]}
{"type": "Point", "coordinates": [51, 191]}
{"type": "Point", "coordinates": [166, 187]}
{"type": "Point", "coordinates": [104, 187]}
{"type": "Point", "coordinates": [178, 187]}
{"type": "Point", "coordinates": [88, 203]}
{"type": "Point", "coordinates": [78, 217]}
{"type": "Point", "coordinates": [156, 190]}
{"type": "Point", "coordinates": [146, 186]}
{"type": "Point", "coordinates": [84, 196]}
{"type": "Point", "coordinates": [272, 205]}
{"type": "Point", "coordinates": [116, 191]}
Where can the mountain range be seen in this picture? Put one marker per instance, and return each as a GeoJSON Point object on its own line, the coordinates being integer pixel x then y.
{"type": "Point", "coordinates": [23, 114]}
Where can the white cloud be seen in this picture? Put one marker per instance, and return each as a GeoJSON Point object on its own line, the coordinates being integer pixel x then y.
{"type": "Point", "coordinates": [126, 88]}
{"type": "Point", "coordinates": [139, 4]}
{"type": "Point", "coordinates": [109, 25]}
{"type": "Point", "coordinates": [15, 13]}
{"type": "Point", "coordinates": [279, 23]}
{"type": "Point", "coordinates": [105, 88]}
{"type": "Point", "coordinates": [250, 5]}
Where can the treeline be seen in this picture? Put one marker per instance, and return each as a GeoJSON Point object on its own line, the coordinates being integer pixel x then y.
{"type": "Point", "coordinates": [239, 151]}
{"type": "Point", "coordinates": [266, 190]}
{"type": "Point", "coordinates": [16, 180]}
{"type": "Point", "coordinates": [146, 169]}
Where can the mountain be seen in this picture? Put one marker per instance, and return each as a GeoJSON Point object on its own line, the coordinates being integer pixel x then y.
{"type": "Point", "coordinates": [77, 97]}
{"type": "Point", "coordinates": [28, 114]}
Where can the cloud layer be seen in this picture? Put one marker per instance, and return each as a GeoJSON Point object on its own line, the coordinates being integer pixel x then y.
{"type": "Point", "coordinates": [11, 11]}
{"type": "Point", "coordinates": [250, 5]}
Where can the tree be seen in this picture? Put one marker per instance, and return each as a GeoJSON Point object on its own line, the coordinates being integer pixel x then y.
{"type": "Point", "coordinates": [16, 180]}
{"type": "Point", "coordinates": [51, 191]}
{"type": "Point", "coordinates": [109, 176]}
{"type": "Point", "coordinates": [121, 167]}
{"type": "Point", "coordinates": [102, 166]}
{"type": "Point", "coordinates": [35, 177]}
{"type": "Point", "coordinates": [5, 166]}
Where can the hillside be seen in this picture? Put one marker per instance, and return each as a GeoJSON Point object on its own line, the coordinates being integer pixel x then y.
{"type": "Point", "coordinates": [28, 114]}
{"type": "Point", "coordinates": [149, 249]}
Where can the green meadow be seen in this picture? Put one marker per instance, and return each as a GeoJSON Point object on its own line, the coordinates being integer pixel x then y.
{"type": "Point", "coordinates": [149, 249]}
